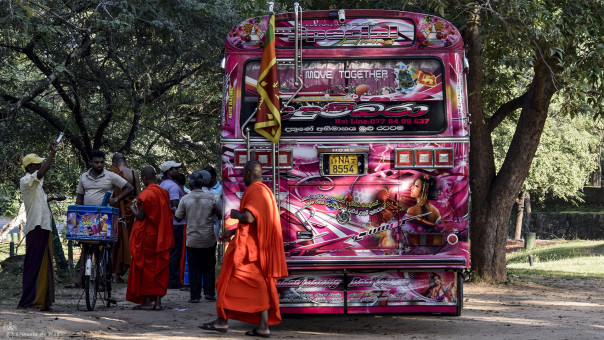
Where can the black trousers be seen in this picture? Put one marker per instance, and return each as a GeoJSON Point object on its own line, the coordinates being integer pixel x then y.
{"type": "Point", "coordinates": [202, 264]}
{"type": "Point", "coordinates": [175, 255]}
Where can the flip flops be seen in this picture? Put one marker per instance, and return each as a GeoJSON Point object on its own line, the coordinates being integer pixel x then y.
{"type": "Point", "coordinates": [139, 307]}
{"type": "Point", "coordinates": [254, 332]}
{"type": "Point", "coordinates": [72, 285]}
{"type": "Point", "coordinates": [210, 326]}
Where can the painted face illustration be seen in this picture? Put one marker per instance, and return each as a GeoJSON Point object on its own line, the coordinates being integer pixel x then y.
{"type": "Point", "coordinates": [416, 188]}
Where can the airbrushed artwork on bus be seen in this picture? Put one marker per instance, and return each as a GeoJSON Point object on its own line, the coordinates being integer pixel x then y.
{"type": "Point", "coordinates": [388, 212]}
{"type": "Point", "coordinates": [371, 169]}
{"type": "Point", "coordinates": [367, 291]}
{"type": "Point", "coordinates": [430, 32]}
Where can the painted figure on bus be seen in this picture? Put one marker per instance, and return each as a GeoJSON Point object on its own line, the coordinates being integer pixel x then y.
{"type": "Point", "coordinates": [424, 190]}
{"type": "Point", "coordinates": [404, 78]}
{"type": "Point", "coordinates": [439, 291]}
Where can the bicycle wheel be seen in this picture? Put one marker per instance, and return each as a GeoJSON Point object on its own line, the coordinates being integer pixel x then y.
{"type": "Point", "coordinates": [107, 275]}
{"type": "Point", "coordinates": [91, 282]}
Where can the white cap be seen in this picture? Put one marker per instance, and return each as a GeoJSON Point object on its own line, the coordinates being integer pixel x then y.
{"type": "Point", "coordinates": [169, 165]}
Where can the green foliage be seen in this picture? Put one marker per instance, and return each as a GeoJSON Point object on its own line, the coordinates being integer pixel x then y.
{"type": "Point", "coordinates": [565, 34]}
{"type": "Point", "coordinates": [141, 77]}
{"type": "Point", "coordinates": [564, 160]}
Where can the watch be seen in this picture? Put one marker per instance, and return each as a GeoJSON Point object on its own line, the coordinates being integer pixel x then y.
{"type": "Point", "coordinates": [114, 200]}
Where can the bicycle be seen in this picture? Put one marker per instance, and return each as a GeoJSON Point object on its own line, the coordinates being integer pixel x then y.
{"type": "Point", "coordinates": [98, 271]}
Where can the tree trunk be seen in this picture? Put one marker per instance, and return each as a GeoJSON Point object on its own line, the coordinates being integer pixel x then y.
{"type": "Point", "coordinates": [527, 211]}
{"type": "Point", "coordinates": [15, 222]}
{"type": "Point", "coordinates": [519, 216]}
{"type": "Point", "coordinates": [494, 194]}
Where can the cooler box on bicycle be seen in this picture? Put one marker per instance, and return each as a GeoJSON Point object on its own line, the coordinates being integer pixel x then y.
{"type": "Point", "coordinates": [92, 222]}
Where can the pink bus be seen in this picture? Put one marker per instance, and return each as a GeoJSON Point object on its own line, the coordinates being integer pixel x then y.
{"type": "Point", "coordinates": [371, 171]}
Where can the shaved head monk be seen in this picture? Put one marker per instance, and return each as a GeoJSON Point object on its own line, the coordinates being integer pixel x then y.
{"type": "Point", "coordinates": [254, 260]}
{"type": "Point", "coordinates": [150, 242]}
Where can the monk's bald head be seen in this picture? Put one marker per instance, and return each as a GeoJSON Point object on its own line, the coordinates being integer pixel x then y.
{"type": "Point", "coordinates": [148, 175]}
{"type": "Point", "coordinates": [118, 158]}
{"type": "Point", "coordinates": [252, 172]}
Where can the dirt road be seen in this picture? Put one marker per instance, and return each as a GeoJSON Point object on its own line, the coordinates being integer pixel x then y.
{"type": "Point", "coordinates": [545, 310]}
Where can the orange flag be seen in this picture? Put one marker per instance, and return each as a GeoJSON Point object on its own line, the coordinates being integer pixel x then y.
{"type": "Point", "coordinates": [268, 116]}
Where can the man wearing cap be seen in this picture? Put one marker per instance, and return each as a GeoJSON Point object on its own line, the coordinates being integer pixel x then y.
{"type": "Point", "coordinates": [38, 276]}
{"type": "Point", "coordinates": [169, 171]}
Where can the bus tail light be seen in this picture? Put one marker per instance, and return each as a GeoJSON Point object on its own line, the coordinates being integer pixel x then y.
{"type": "Point", "coordinates": [264, 156]}
{"type": "Point", "coordinates": [423, 158]}
{"type": "Point", "coordinates": [240, 158]}
{"type": "Point", "coordinates": [443, 158]}
{"type": "Point", "coordinates": [404, 158]}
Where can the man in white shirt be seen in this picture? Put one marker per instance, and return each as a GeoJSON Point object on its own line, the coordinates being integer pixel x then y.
{"type": "Point", "coordinates": [95, 182]}
{"type": "Point", "coordinates": [38, 275]}
{"type": "Point", "coordinates": [91, 190]}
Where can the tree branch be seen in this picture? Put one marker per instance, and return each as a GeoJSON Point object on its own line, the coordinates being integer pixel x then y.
{"type": "Point", "coordinates": [135, 122]}
{"type": "Point", "coordinates": [159, 89]}
{"type": "Point", "coordinates": [52, 120]}
{"type": "Point", "coordinates": [52, 78]}
{"type": "Point", "coordinates": [100, 131]}
{"type": "Point", "coordinates": [503, 111]}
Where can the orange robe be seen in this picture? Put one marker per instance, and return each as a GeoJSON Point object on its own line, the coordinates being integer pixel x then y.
{"type": "Point", "coordinates": [150, 243]}
{"type": "Point", "coordinates": [253, 262]}
{"type": "Point", "coordinates": [120, 254]}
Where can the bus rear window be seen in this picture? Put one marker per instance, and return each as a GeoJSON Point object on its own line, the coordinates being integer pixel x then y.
{"type": "Point", "coordinates": [340, 97]}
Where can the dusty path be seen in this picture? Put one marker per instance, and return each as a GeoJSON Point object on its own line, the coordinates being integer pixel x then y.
{"type": "Point", "coordinates": [548, 310]}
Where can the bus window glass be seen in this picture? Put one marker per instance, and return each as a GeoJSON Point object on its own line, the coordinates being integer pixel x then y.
{"type": "Point", "coordinates": [339, 97]}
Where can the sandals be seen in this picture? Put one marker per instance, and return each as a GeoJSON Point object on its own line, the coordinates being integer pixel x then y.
{"type": "Point", "coordinates": [140, 307]}
{"type": "Point", "coordinates": [254, 332]}
{"type": "Point", "coordinates": [72, 285]}
{"type": "Point", "coordinates": [157, 308]}
{"type": "Point", "coordinates": [210, 326]}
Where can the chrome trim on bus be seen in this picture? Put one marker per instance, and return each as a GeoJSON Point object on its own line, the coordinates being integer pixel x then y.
{"type": "Point", "coordinates": [346, 262]}
{"type": "Point", "coordinates": [330, 141]}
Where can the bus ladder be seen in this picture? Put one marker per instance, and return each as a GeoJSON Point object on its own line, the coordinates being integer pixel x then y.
{"type": "Point", "coordinates": [298, 82]}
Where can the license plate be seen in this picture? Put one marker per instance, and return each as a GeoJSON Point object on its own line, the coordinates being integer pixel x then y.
{"type": "Point", "coordinates": [343, 164]}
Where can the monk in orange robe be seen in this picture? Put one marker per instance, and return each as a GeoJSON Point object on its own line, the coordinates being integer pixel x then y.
{"type": "Point", "coordinates": [254, 260]}
{"type": "Point", "coordinates": [120, 253]}
{"type": "Point", "coordinates": [150, 242]}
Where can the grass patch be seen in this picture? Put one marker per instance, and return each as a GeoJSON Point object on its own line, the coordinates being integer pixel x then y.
{"type": "Point", "coordinates": [11, 276]}
{"type": "Point", "coordinates": [10, 285]}
{"type": "Point", "coordinates": [565, 260]}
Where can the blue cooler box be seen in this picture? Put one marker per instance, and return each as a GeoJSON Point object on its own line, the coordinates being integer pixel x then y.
{"type": "Point", "coordinates": [92, 222]}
